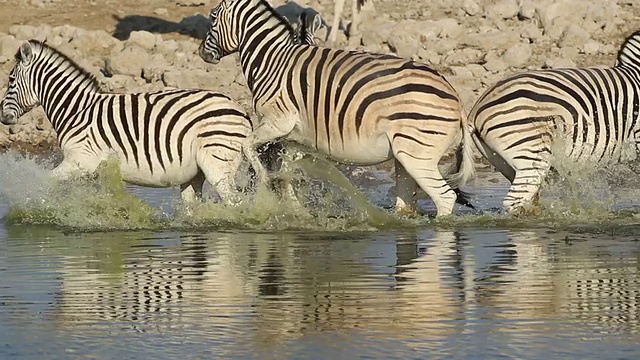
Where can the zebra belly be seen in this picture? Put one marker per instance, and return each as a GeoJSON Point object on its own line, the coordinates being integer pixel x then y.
{"type": "Point", "coordinates": [365, 152]}
{"type": "Point", "coordinates": [172, 175]}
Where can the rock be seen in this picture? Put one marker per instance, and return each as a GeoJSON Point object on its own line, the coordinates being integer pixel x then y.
{"type": "Point", "coordinates": [493, 63]}
{"type": "Point", "coordinates": [503, 9]}
{"type": "Point", "coordinates": [161, 11]}
{"type": "Point", "coordinates": [23, 32]}
{"type": "Point", "coordinates": [143, 39]}
{"type": "Point", "coordinates": [531, 32]}
{"type": "Point", "coordinates": [490, 41]}
{"type": "Point", "coordinates": [574, 36]}
{"type": "Point", "coordinates": [471, 7]}
{"type": "Point", "coordinates": [9, 45]}
{"type": "Point", "coordinates": [448, 28]}
{"type": "Point", "coordinates": [155, 68]}
{"type": "Point", "coordinates": [555, 63]}
{"type": "Point", "coordinates": [527, 10]}
{"type": "Point", "coordinates": [378, 35]}
{"type": "Point", "coordinates": [591, 47]}
{"type": "Point", "coordinates": [555, 17]}
{"type": "Point", "coordinates": [118, 82]}
{"type": "Point", "coordinates": [517, 55]}
{"type": "Point", "coordinates": [190, 2]}
{"type": "Point", "coordinates": [464, 56]}
{"type": "Point", "coordinates": [128, 62]}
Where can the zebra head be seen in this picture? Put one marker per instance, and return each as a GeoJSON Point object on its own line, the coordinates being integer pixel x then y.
{"type": "Point", "coordinates": [20, 97]}
{"type": "Point", "coordinates": [222, 38]}
{"type": "Point", "coordinates": [307, 27]}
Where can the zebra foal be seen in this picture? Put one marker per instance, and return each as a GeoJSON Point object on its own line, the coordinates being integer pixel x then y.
{"type": "Point", "coordinates": [594, 110]}
{"type": "Point", "coordinates": [161, 139]}
{"type": "Point", "coordinates": [355, 107]}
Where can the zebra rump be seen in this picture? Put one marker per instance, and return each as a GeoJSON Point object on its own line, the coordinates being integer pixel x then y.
{"type": "Point", "coordinates": [585, 114]}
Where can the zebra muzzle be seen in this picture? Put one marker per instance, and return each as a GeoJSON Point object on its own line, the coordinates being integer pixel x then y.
{"type": "Point", "coordinates": [7, 119]}
{"type": "Point", "coordinates": [208, 57]}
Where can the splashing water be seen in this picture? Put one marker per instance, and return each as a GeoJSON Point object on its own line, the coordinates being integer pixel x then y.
{"type": "Point", "coordinates": [579, 195]}
{"type": "Point", "coordinates": [97, 202]}
{"type": "Point", "coordinates": [101, 202]}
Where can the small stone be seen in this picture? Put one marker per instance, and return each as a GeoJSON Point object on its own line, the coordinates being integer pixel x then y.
{"type": "Point", "coordinates": [161, 11]}
{"type": "Point", "coordinates": [471, 7]}
{"type": "Point", "coordinates": [517, 55]}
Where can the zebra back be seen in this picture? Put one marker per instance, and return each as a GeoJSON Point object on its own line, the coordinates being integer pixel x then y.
{"type": "Point", "coordinates": [629, 53]}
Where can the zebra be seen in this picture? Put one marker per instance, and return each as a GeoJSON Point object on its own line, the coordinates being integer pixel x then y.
{"type": "Point", "coordinates": [354, 30]}
{"type": "Point", "coordinates": [160, 139]}
{"type": "Point", "coordinates": [355, 107]}
{"type": "Point", "coordinates": [516, 122]}
{"type": "Point", "coordinates": [307, 27]}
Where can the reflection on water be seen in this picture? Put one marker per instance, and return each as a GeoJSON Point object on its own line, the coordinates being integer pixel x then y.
{"type": "Point", "coordinates": [485, 293]}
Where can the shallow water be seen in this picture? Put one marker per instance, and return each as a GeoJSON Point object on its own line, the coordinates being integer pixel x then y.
{"type": "Point", "coordinates": [563, 284]}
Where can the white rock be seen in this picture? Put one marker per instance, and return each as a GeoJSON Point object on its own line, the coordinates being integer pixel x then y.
{"type": "Point", "coordinates": [143, 39]}
{"type": "Point", "coordinates": [9, 46]}
{"type": "Point", "coordinates": [490, 41]}
{"type": "Point", "coordinates": [161, 11]}
{"type": "Point", "coordinates": [155, 68]}
{"type": "Point", "coordinates": [22, 32]}
{"type": "Point", "coordinates": [471, 7]}
{"type": "Point", "coordinates": [574, 36]}
{"type": "Point", "coordinates": [517, 55]}
{"type": "Point", "coordinates": [591, 47]}
{"type": "Point", "coordinates": [503, 9]}
{"type": "Point", "coordinates": [527, 9]}
{"type": "Point", "coordinates": [128, 62]}
{"type": "Point", "coordinates": [555, 63]}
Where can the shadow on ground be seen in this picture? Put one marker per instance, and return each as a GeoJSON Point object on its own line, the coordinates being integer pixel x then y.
{"type": "Point", "coordinates": [195, 26]}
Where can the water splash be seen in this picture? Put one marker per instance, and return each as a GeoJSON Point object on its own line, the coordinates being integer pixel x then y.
{"type": "Point", "coordinates": [97, 202]}
{"type": "Point", "coordinates": [578, 196]}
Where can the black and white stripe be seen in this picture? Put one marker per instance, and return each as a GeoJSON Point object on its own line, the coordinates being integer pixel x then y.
{"type": "Point", "coordinates": [355, 107]}
{"type": "Point", "coordinates": [161, 139]}
{"type": "Point", "coordinates": [594, 111]}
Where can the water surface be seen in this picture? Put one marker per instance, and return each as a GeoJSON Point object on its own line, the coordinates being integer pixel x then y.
{"type": "Point", "coordinates": [562, 285]}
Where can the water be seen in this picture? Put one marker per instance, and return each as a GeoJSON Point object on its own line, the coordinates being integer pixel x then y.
{"type": "Point", "coordinates": [564, 284]}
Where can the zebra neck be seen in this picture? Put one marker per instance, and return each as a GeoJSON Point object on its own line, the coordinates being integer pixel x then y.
{"type": "Point", "coordinates": [64, 94]}
{"type": "Point", "coordinates": [265, 42]}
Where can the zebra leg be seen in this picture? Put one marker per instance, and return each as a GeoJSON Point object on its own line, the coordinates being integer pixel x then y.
{"type": "Point", "coordinates": [524, 193]}
{"type": "Point", "coordinates": [220, 168]}
{"type": "Point", "coordinates": [192, 191]}
{"type": "Point", "coordinates": [267, 131]}
{"type": "Point", "coordinates": [427, 175]}
{"type": "Point", "coordinates": [69, 168]}
{"type": "Point", "coordinates": [354, 29]}
{"type": "Point", "coordinates": [335, 27]}
{"type": "Point", "coordinates": [405, 190]}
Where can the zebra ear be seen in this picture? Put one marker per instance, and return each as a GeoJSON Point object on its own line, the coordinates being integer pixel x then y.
{"type": "Point", "coordinates": [317, 23]}
{"type": "Point", "coordinates": [26, 53]}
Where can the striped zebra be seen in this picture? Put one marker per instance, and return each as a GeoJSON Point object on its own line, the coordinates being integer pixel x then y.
{"type": "Point", "coordinates": [161, 139]}
{"type": "Point", "coordinates": [355, 107]}
{"type": "Point", "coordinates": [594, 111]}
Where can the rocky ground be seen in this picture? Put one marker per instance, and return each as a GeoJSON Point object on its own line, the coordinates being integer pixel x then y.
{"type": "Point", "coordinates": [147, 45]}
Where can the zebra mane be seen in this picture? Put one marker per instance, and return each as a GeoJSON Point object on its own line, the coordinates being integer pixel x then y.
{"type": "Point", "coordinates": [44, 47]}
{"type": "Point", "coordinates": [280, 17]}
{"type": "Point", "coordinates": [629, 53]}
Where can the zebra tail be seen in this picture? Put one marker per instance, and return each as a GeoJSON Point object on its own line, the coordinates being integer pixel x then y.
{"type": "Point", "coordinates": [465, 168]}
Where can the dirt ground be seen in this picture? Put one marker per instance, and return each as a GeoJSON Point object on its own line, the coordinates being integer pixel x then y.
{"type": "Point", "coordinates": [105, 15]}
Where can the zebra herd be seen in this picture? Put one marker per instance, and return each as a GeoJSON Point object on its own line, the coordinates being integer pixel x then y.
{"type": "Point", "coordinates": [354, 107]}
